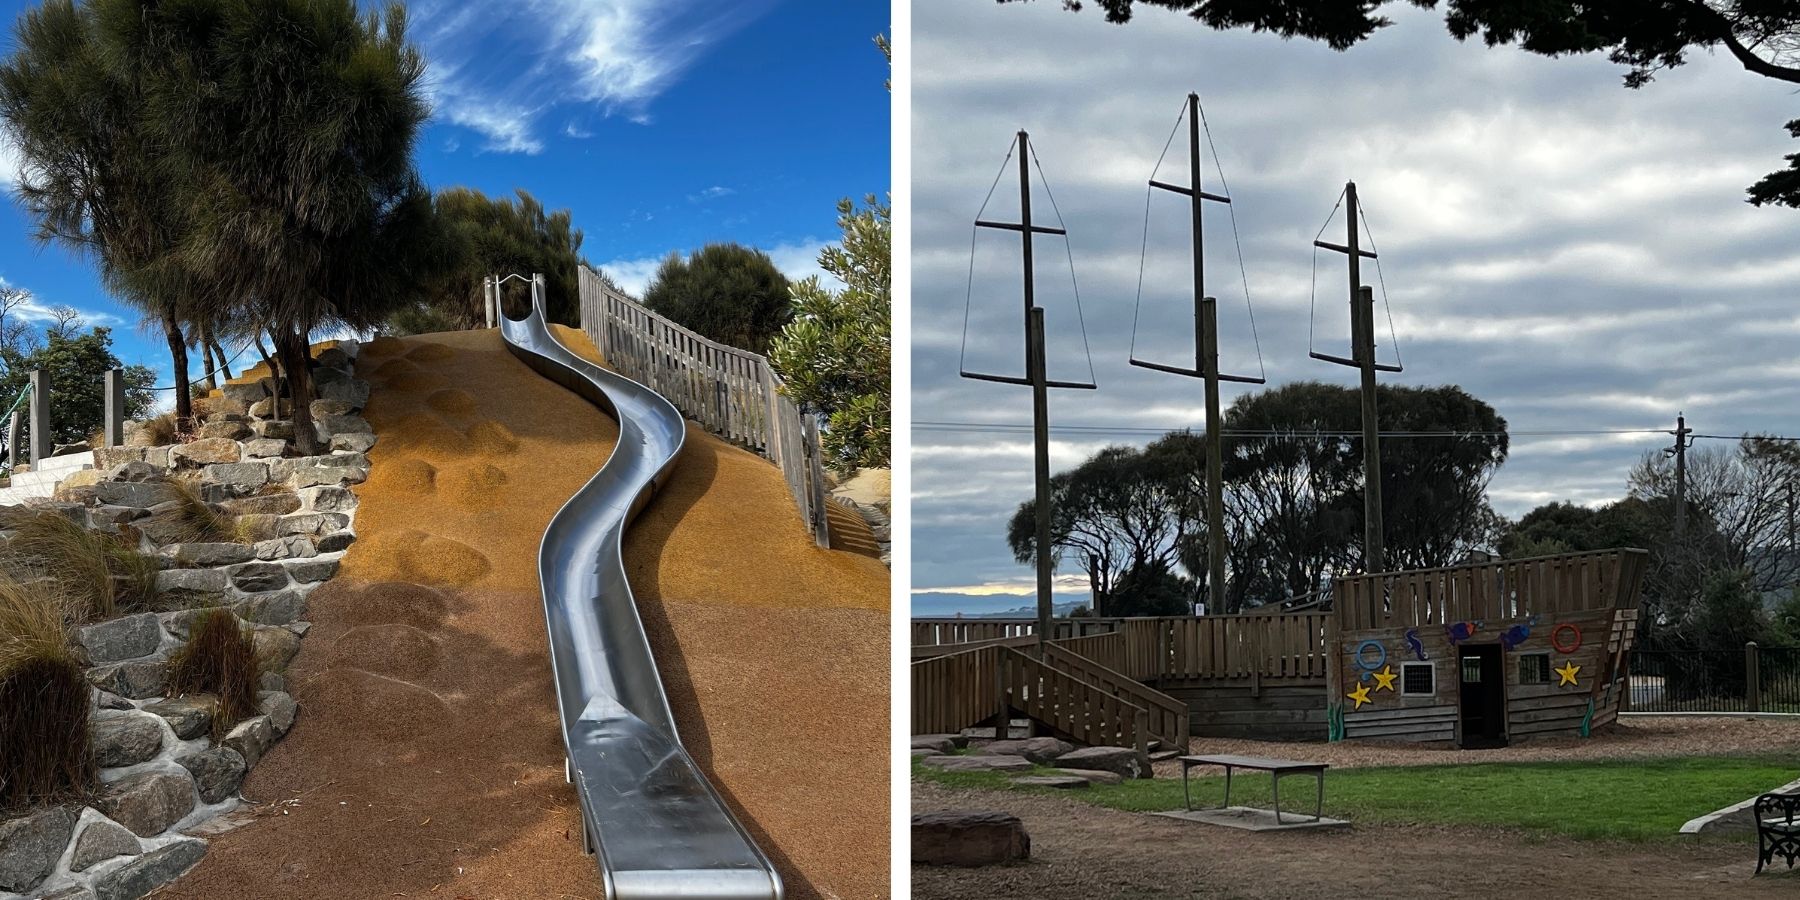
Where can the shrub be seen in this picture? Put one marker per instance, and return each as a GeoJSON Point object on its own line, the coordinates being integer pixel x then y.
{"type": "Point", "coordinates": [219, 659]}
{"type": "Point", "coordinates": [162, 430]}
{"type": "Point", "coordinates": [47, 750]}
{"type": "Point", "coordinates": [727, 292]}
{"type": "Point", "coordinates": [199, 520]}
{"type": "Point", "coordinates": [96, 574]}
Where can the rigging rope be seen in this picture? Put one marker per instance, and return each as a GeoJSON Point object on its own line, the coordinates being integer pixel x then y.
{"type": "Point", "coordinates": [974, 231]}
{"type": "Point", "coordinates": [1144, 250]}
{"type": "Point", "coordinates": [1231, 209]}
{"type": "Point", "coordinates": [1067, 250]}
{"type": "Point", "coordinates": [1313, 304]}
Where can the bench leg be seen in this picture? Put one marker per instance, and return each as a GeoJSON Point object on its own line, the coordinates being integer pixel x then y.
{"type": "Point", "coordinates": [1275, 783]}
{"type": "Point", "coordinates": [1227, 788]}
{"type": "Point", "coordinates": [1319, 805]}
{"type": "Point", "coordinates": [1187, 802]}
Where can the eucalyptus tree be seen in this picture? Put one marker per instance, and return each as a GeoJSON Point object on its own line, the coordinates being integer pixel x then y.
{"type": "Point", "coordinates": [291, 125]}
{"type": "Point", "coordinates": [91, 166]}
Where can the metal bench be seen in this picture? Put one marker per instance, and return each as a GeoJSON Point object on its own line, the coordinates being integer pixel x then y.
{"type": "Point", "coordinates": [1777, 829]}
{"type": "Point", "coordinates": [1275, 767]}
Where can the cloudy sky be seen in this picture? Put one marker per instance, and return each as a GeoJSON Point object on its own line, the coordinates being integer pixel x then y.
{"type": "Point", "coordinates": [1574, 253]}
{"type": "Point", "coordinates": [663, 124]}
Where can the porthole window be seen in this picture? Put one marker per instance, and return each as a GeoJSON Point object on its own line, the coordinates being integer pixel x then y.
{"type": "Point", "coordinates": [1418, 679]}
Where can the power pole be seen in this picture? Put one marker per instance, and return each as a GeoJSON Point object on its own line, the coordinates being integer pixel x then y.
{"type": "Point", "coordinates": [1206, 362]}
{"type": "Point", "coordinates": [1362, 357]}
{"type": "Point", "coordinates": [1036, 377]}
{"type": "Point", "coordinates": [1679, 451]}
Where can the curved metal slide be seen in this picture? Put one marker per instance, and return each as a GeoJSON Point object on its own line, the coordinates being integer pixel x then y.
{"type": "Point", "coordinates": [656, 827]}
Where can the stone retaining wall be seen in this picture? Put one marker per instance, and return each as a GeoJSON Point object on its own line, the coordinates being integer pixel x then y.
{"type": "Point", "coordinates": [162, 778]}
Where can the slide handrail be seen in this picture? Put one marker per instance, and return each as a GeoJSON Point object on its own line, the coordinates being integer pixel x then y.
{"type": "Point", "coordinates": [656, 826]}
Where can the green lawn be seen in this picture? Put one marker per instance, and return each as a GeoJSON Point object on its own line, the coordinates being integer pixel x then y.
{"type": "Point", "coordinates": [1638, 799]}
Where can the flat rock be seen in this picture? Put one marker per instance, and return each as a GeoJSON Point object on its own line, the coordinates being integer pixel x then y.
{"type": "Point", "coordinates": [205, 452]}
{"type": "Point", "coordinates": [968, 838]}
{"type": "Point", "coordinates": [322, 408]}
{"type": "Point", "coordinates": [249, 393]}
{"type": "Point", "coordinates": [1122, 761]}
{"type": "Point", "coordinates": [100, 841]}
{"type": "Point", "coordinates": [189, 716]}
{"type": "Point", "coordinates": [251, 738]}
{"type": "Point", "coordinates": [328, 499]}
{"type": "Point", "coordinates": [244, 476]}
{"type": "Point", "coordinates": [1093, 775]}
{"type": "Point", "coordinates": [227, 429]}
{"type": "Point", "coordinates": [138, 679]}
{"type": "Point", "coordinates": [360, 443]}
{"type": "Point", "coordinates": [276, 429]}
{"type": "Point", "coordinates": [204, 555]}
{"type": "Point", "coordinates": [957, 741]}
{"type": "Point", "coordinates": [346, 424]}
{"type": "Point", "coordinates": [291, 547]}
{"type": "Point", "coordinates": [139, 494]}
{"type": "Point", "coordinates": [280, 708]}
{"type": "Point", "coordinates": [1040, 750]}
{"type": "Point", "coordinates": [256, 577]}
{"type": "Point", "coordinates": [31, 844]}
{"type": "Point", "coordinates": [126, 637]}
{"type": "Point", "coordinates": [276, 647]}
{"type": "Point", "coordinates": [148, 802]}
{"type": "Point", "coordinates": [109, 700]}
{"type": "Point", "coordinates": [105, 518]}
{"type": "Point", "coordinates": [273, 608]}
{"type": "Point", "coordinates": [126, 740]}
{"type": "Point", "coordinates": [218, 772]}
{"type": "Point", "coordinates": [107, 459]}
{"type": "Point", "coordinates": [310, 570]}
{"type": "Point", "coordinates": [1060, 782]}
{"type": "Point", "coordinates": [312, 523]}
{"type": "Point", "coordinates": [977, 763]}
{"type": "Point", "coordinates": [264, 448]}
{"type": "Point", "coordinates": [353, 391]}
{"type": "Point", "coordinates": [205, 581]}
{"type": "Point", "coordinates": [150, 871]}
{"type": "Point", "coordinates": [932, 743]}
{"type": "Point", "coordinates": [309, 476]}
{"type": "Point", "coordinates": [336, 541]}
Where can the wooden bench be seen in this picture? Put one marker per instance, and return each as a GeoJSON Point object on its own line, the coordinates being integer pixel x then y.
{"type": "Point", "coordinates": [1777, 829]}
{"type": "Point", "coordinates": [1275, 767]}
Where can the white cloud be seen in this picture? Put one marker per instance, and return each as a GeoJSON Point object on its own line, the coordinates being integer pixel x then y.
{"type": "Point", "coordinates": [711, 193]}
{"type": "Point", "coordinates": [497, 66]}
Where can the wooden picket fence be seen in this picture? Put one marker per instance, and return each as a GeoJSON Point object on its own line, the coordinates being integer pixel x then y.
{"type": "Point", "coordinates": [934, 632]}
{"type": "Point", "coordinates": [730, 392]}
{"type": "Point", "coordinates": [1086, 712]}
{"type": "Point", "coordinates": [1510, 589]}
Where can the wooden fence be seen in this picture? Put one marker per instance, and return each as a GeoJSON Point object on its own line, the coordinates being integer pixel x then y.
{"type": "Point", "coordinates": [1086, 712]}
{"type": "Point", "coordinates": [1509, 589]}
{"type": "Point", "coordinates": [1166, 717]}
{"type": "Point", "coordinates": [730, 392]}
{"type": "Point", "coordinates": [955, 691]}
{"type": "Point", "coordinates": [933, 632]}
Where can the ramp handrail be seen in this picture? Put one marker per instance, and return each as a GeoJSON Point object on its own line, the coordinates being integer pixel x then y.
{"type": "Point", "coordinates": [656, 826]}
{"type": "Point", "coordinates": [1167, 717]}
{"type": "Point", "coordinates": [730, 392]}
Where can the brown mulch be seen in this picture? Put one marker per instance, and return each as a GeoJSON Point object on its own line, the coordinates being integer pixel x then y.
{"type": "Point", "coordinates": [427, 760]}
{"type": "Point", "coordinates": [1634, 736]}
{"type": "Point", "coordinates": [1084, 851]}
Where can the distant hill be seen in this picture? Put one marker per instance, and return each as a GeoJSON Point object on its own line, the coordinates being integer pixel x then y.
{"type": "Point", "coordinates": [944, 605]}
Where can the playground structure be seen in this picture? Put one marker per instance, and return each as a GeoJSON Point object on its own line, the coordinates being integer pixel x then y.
{"type": "Point", "coordinates": [655, 825]}
{"type": "Point", "coordinates": [1467, 656]}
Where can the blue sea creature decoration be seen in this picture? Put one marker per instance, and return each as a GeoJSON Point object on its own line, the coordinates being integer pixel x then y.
{"type": "Point", "coordinates": [1517, 634]}
{"type": "Point", "coordinates": [1418, 646]}
{"type": "Point", "coordinates": [1458, 632]}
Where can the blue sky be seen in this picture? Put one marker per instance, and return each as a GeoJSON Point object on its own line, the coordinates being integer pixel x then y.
{"type": "Point", "coordinates": [664, 125]}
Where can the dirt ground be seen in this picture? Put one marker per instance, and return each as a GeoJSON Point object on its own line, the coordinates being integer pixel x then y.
{"type": "Point", "coordinates": [1083, 851]}
{"type": "Point", "coordinates": [1631, 737]}
{"type": "Point", "coordinates": [427, 760]}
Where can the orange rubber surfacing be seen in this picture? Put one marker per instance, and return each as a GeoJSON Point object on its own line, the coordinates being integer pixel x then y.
{"type": "Point", "coordinates": [427, 754]}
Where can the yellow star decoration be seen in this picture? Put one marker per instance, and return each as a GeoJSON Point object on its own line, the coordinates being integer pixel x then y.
{"type": "Point", "coordinates": [1360, 695]}
{"type": "Point", "coordinates": [1384, 679]}
{"type": "Point", "coordinates": [1568, 672]}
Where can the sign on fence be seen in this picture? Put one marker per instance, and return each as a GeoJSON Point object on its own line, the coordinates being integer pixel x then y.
{"type": "Point", "coordinates": [730, 392]}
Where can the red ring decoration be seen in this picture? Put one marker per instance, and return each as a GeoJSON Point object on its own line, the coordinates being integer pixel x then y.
{"type": "Point", "coordinates": [1559, 630]}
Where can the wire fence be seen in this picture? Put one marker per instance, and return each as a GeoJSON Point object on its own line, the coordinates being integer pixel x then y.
{"type": "Point", "coordinates": [1747, 679]}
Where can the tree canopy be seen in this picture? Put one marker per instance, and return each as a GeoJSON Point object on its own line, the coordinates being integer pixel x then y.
{"type": "Point", "coordinates": [1293, 498]}
{"type": "Point", "coordinates": [835, 354]}
{"type": "Point", "coordinates": [480, 236]}
{"type": "Point", "coordinates": [727, 292]}
{"type": "Point", "coordinates": [1644, 36]}
{"type": "Point", "coordinates": [75, 359]}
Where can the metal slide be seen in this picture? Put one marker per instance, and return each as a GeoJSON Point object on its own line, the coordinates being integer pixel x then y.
{"type": "Point", "coordinates": [655, 825]}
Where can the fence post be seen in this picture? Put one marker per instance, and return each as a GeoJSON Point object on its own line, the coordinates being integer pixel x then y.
{"type": "Point", "coordinates": [1003, 716]}
{"type": "Point", "coordinates": [12, 438]}
{"type": "Point", "coordinates": [815, 476]}
{"type": "Point", "coordinates": [114, 426]}
{"type": "Point", "coordinates": [40, 416]}
{"type": "Point", "coordinates": [1752, 679]}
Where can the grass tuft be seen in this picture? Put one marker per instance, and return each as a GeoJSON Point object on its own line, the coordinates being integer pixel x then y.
{"type": "Point", "coordinates": [97, 575]}
{"type": "Point", "coordinates": [162, 430]}
{"type": "Point", "coordinates": [219, 659]}
{"type": "Point", "coordinates": [200, 520]}
{"type": "Point", "coordinates": [47, 753]}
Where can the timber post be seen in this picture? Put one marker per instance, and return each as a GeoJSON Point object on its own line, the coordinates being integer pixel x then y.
{"type": "Point", "coordinates": [40, 416]}
{"type": "Point", "coordinates": [113, 429]}
{"type": "Point", "coordinates": [1752, 679]}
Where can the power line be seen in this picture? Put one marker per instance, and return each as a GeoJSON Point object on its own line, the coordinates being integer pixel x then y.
{"type": "Point", "coordinates": [1008, 427]}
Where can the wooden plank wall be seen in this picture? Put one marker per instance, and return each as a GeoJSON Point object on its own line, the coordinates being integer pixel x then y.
{"type": "Point", "coordinates": [732, 393]}
{"type": "Point", "coordinates": [955, 691]}
{"type": "Point", "coordinates": [1390, 715]}
{"type": "Point", "coordinates": [1281, 710]}
{"type": "Point", "coordinates": [1509, 589]}
{"type": "Point", "coordinates": [929, 632]}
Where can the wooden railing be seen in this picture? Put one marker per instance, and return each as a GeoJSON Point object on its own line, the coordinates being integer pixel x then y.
{"type": "Point", "coordinates": [955, 691]}
{"type": "Point", "coordinates": [928, 632]}
{"type": "Point", "coordinates": [1288, 645]}
{"type": "Point", "coordinates": [1167, 717]}
{"type": "Point", "coordinates": [1080, 709]}
{"type": "Point", "coordinates": [1508, 589]}
{"type": "Point", "coordinates": [730, 392]}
